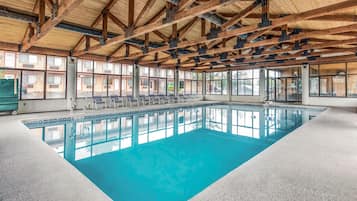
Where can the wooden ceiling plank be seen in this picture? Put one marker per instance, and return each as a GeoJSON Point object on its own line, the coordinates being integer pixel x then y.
{"type": "Point", "coordinates": [187, 28]}
{"type": "Point", "coordinates": [251, 28]}
{"type": "Point", "coordinates": [240, 15]}
{"type": "Point", "coordinates": [161, 35]}
{"type": "Point", "coordinates": [63, 10]}
{"type": "Point", "coordinates": [108, 6]}
{"type": "Point", "coordinates": [179, 17]}
{"type": "Point", "coordinates": [118, 22]}
{"type": "Point", "coordinates": [148, 5]}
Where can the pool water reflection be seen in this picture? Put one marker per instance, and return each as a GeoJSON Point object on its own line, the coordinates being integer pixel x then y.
{"type": "Point", "coordinates": [167, 154]}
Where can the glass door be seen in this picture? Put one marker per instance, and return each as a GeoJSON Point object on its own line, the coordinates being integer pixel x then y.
{"type": "Point", "coordinates": [280, 89]}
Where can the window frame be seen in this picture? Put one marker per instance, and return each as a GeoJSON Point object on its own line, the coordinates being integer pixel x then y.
{"type": "Point", "coordinates": [319, 76]}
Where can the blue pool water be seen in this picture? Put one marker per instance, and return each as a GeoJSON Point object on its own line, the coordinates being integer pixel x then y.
{"type": "Point", "coordinates": [167, 154]}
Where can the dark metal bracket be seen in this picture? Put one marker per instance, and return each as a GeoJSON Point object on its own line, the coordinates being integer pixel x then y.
{"type": "Point", "coordinates": [213, 33]}
{"type": "Point", "coordinates": [170, 15]}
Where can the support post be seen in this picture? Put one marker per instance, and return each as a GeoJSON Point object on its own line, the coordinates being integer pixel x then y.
{"type": "Point", "coordinates": [136, 81]}
{"type": "Point", "coordinates": [204, 87]}
{"type": "Point", "coordinates": [229, 85]}
{"type": "Point", "coordinates": [305, 83]}
{"type": "Point", "coordinates": [262, 83]}
{"type": "Point", "coordinates": [71, 83]}
{"type": "Point", "coordinates": [176, 77]}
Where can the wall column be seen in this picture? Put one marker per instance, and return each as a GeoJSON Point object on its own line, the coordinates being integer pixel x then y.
{"type": "Point", "coordinates": [305, 83]}
{"type": "Point", "coordinates": [204, 88]}
{"type": "Point", "coordinates": [71, 82]}
{"type": "Point", "coordinates": [229, 85]}
{"type": "Point", "coordinates": [262, 83]}
{"type": "Point", "coordinates": [176, 81]}
{"type": "Point", "coordinates": [136, 81]}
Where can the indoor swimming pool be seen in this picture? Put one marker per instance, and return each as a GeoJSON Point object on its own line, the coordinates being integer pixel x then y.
{"type": "Point", "coordinates": [167, 154]}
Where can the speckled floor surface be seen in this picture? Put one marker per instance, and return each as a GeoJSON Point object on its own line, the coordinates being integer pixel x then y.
{"type": "Point", "coordinates": [318, 161]}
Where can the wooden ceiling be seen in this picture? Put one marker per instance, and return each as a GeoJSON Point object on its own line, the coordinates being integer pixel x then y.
{"type": "Point", "coordinates": [203, 35]}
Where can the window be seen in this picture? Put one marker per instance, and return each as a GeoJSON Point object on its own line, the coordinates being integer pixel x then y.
{"type": "Point", "coordinates": [7, 59]}
{"type": "Point", "coordinates": [31, 61]}
{"type": "Point", "coordinates": [329, 80]}
{"type": "Point", "coordinates": [97, 78]}
{"type": "Point", "coordinates": [144, 81]}
{"type": "Point", "coordinates": [154, 79]}
{"type": "Point", "coordinates": [162, 82]}
{"type": "Point", "coordinates": [84, 85]}
{"type": "Point", "coordinates": [56, 85]}
{"type": "Point", "coordinates": [35, 74]}
{"type": "Point", "coordinates": [245, 82]}
{"type": "Point", "coordinates": [284, 84]}
{"type": "Point", "coordinates": [352, 79]}
{"type": "Point", "coordinates": [170, 84]}
{"type": "Point", "coordinates": [114, 85]}
{"type": "Point", "coordinates": [84, 78]}
{"type": "Point", "coordinates": [127, 80]}
{"type": "Point", "coordinates": [56, 63]}
{"type": "Point", "coordinates": [181, 82]}
{"type": "Point", "coordinates": [216, 83]}
{"type": "Point", "coordinates": [56, 77]}
{"type": "Point", "coordinates": [100, 85]}
{"type": "Point", "coordinates": [84, 66]}
{"type": "Point", "coordinates": [32, 85]}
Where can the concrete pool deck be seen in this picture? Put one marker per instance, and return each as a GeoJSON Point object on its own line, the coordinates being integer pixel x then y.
{"type": "Point", "coordinates": [317, 161]}
{"type": "Point", "coordinates": [31, 171]}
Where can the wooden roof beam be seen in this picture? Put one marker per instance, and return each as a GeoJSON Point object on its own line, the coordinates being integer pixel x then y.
{"type": "Point", "coordinates": [320, 60]}
{"type": "Point", "coordinates": [178, 17]}
{"type": "Point", "coordinates": [107, 7]}
{"type": "Point", "coordinates": [63, 10]}
{"type": "Point", "coordinates": [148, 5]}
{"type": "Point", "coordinates": [252, 28]}
{"type": "Point", "coordinates": [240, 15]}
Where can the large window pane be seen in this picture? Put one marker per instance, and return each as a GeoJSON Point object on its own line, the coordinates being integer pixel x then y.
{"type": "Point", "coordinates": [314, 70]}
{"type": "Point", "coordinates": [56, 63]}
{"type": "Point", "coordinates": [100, 85]}
{"type": "Point", "coordinates": [256, 87]}
{"type": "Point", "coordinates": [84, 85]}
{"type": "Point", "coordinates": [31, 61]}
{"type": "Point", "coordinates": [339, 85]}
{"type": "Point", "coordinates": [154, 86]}
{"type": "Point", "coordinates": [56, 85]}
{"type": "Point", "coordinates": [352, 85]}
{"type": "Point", "coordinates": [144, 86]}
{"type": "Point", "coordinates": [352, 67]}
{"type": "Point", "coordinates": [188, 86]}
{"type": "Point", "coordinates": [114, 85]}
{"type": "Point", "coordinates": [314, 86]}
{"type": "Point", "coordinates": [333, 69]}
{"type": "Point", "coordinates": [199, 87]}
{"type": "Point", "coordinates": [84, 66]}
{"type": "Point", "coordinates": [32, 85]}
{"type": "Point", "coordinates": [127, 69]}
{"type": "Point", "coordinates": [245, 87]}
{"type": "Point", "coordinates": [332, 86]}
{"type": "Point", "coordinates": [162, 87]}
{"type": "Point", "coordinates": [170, 87]}
{"type": "Point", "coordinates": [127, 86]}
{"type": "Point", "coordinates": [7, 59]}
